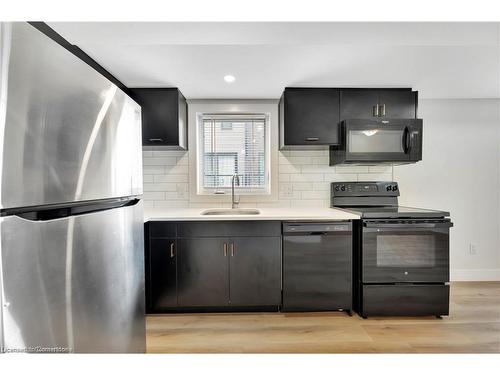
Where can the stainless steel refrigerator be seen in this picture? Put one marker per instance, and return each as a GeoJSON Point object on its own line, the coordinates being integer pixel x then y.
{"type": "Point", "coordinates": [71, 225]}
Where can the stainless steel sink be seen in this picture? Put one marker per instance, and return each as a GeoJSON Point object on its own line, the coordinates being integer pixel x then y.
{"type": "Point", "coordinates": [229, 211]}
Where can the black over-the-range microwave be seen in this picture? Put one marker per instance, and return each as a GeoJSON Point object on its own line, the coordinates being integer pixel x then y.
{"type": "Point", "coordinates": [392, 141]}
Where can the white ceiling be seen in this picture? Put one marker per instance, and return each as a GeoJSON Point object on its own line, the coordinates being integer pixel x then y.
{"type": "Point", "coordinates": [441, 60]}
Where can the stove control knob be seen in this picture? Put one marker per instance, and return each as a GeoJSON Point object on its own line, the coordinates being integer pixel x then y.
{"type": "Point", "coordinates": [342, 188]}
{"type": "Point", "coordinates": [388, 188]}
{"type": "Point", "coordinates": [337, 188]}
{"type": "Point", "coordinates": [394, 187]}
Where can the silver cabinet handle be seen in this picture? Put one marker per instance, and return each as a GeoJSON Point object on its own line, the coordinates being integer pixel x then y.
{"type": "Point", "coordinates": [172, 250]}
{"type": "Point", "coordinates": [312, 139]}
{"type": "Point", "coordinates": [382, 110]}
{"type": "Point", "coordinates": [375, 111]}
{"type": "Point", "coordinates": [232, 249]}
{"type": "Point", "coordinates": [225, 249]}
{"type": "Point", "coordinates": [155, 139]}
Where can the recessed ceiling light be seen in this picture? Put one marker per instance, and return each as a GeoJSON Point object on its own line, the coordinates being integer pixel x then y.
{"type": "Point", "coordinates": [229, 78]}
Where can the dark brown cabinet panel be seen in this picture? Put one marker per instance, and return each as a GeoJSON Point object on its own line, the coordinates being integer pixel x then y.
{"type": "Point", "coordinates": [309, 117]}
{"type": "Point", "coordinates": [163, 273]}
{"type": "Point", "coordinates": [164, 116]}
{"type": "Point", "coordinates": [358, 104]}
{"type": "Point", "coordinates": [255, 271]}
{"type": "Point", "coordinates": [203, 269]}
{"type": "Point", "coordinates": [406, 300]}
{"type": "Point", "coordinates": [228, 228]}
{"type": "Point", "coordinates": [397, 103]}
{"type": "Point", "coordinates": [378, 103]}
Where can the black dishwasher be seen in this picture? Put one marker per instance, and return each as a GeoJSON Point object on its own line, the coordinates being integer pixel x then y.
{"type": "Point", "coordinates": [317, 266]}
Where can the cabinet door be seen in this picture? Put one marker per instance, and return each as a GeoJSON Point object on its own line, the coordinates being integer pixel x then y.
{"type": "Point", "coordinates": [311, 116]}
{"type": "Point", "coordinates": [255, 271]}
{"type": "Point", "coordinates": [163, 273]}
{"type": "Point", "coordinates": [358, 104]}
{"type": "Point", "coordinates": [398, 103]}
{"type": "Point", "coordinates": [202, 272]}
{"type": "Point", "coordinates": [160, 116]}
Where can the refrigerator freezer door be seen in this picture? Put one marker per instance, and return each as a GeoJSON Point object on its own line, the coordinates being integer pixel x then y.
{"type": "Point", "coordinates": [74, 284]}
{"type": "Point", "coordinates": [66, 133]}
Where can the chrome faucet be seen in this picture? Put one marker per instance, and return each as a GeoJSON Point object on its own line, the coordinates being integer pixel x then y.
{"type": "Point", "coordinates": [234, 203]}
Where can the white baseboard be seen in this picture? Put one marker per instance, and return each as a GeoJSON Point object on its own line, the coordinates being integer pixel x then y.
{"type": "Point", "coordinates": [486, 274]}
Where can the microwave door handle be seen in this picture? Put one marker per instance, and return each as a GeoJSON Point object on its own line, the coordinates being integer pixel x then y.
{"type": "Point", "coordinates": [406, 140]}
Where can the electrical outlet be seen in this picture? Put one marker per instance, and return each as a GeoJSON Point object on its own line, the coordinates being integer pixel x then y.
{"type": "Point", "coordinates": [472, 249]}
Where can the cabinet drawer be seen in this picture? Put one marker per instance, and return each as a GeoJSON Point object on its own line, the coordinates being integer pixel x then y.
{"type": "Point", "coordinates": [228, 228]}
{"type": "Point", "coordinates": [408, 300]}
{"type": "Point", "coordinates": [162, 229]}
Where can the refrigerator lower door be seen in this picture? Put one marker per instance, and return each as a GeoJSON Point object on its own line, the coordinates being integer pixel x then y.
{"type": "Point", "coordinates": [74, 284]}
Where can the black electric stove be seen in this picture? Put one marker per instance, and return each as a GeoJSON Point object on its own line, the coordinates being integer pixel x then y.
{"type": "Point", "coordinates": [401, 254]}
{"type": "Point", "coordinates": [373, 200]}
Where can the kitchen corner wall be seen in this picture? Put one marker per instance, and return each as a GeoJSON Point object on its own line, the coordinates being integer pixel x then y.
{"type": "Point", "coordinates": [303, 181]}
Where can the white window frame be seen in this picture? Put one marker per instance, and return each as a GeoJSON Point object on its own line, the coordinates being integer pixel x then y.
{"type": "Point", "coordinates": [268, 106]}
{"type": "Point", "coordinates": [242, 191]}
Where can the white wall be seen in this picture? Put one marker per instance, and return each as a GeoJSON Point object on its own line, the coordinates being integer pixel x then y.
{"type": "Point", "coordinates": [460, 172]}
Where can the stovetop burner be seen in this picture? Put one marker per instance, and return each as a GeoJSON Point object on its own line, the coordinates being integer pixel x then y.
{"type": "Point", "coordinates": [373, 200]}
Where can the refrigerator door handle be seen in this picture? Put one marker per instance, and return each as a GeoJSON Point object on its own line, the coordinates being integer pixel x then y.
{"type": "Point", "coordinates": [62, 211]}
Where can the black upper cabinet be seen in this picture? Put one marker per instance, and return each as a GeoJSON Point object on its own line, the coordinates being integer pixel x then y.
{"type": "Point", "coordinates": [377, 103]}
{"type": "Point", "coordinates": [398, 103]}
{"type": "Point", "coordinates": [358, 104]}
{"type": "Point", "coordinates": [309, 117]}
{"type": "Point", "coordinates": [164, 117]}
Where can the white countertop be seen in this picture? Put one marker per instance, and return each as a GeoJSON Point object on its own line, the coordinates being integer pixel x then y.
{"type": "Point", "coordinates": [194, 214]}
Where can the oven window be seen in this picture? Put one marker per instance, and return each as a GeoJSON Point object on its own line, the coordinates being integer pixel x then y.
{"type": "Point", "coordinates": [406, 250]}
{"type": "Point", "coordinates": [376, 141]}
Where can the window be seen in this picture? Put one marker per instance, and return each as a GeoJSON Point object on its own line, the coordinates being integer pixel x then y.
{"type": "Point", "coordinates": [233, 145]}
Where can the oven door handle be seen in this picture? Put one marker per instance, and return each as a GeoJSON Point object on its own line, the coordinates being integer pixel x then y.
{"type": "Point", "coordinates": [409, 225]}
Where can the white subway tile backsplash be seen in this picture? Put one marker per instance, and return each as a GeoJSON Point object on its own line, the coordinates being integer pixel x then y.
{"type": "Point", "coordinates": [304, 186]}
{"type": "Point", "coordinates": [147, 178]}
{"type": "Point", "coordinates": [176, 169]}
{"type": "Point", "coordinates": [315, 194]}
{"type": "Point", "coordinates": [157, 169]}
{"type": "Point", "coordinates": [308, 203]}
{"type": "Point", "coordinates": [160, 187]}
{"type": "Point", "coordinates": [334, 177]}
{"type": "Point", "coordinates": [288, 168]}
{"type": "Point", "coordinates": [351, 169]}
{"type": "Point", "coordinates": [171, 178]}
{"type": "Point", "coordinates": [153, 195]}
{"type": "Point", "coordinates": [160, 161]}
{"type": "Point", "coordinates": [299, 177]}
{"type": "Point", "coordinates": [304, 178]}
{"type": "Point", "coordinates": [375, 177]}
{"type": "Point", "coordinates": [317, 169]}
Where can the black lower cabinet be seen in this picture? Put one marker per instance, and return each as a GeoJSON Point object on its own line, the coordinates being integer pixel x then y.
{"type": "Point", "coordinates": [255, 271]}
{"type": "Point", "coordinates": [202, 272]}
{"type": "Point", "coordinates": [201, 268]}
{"type": "Point", "coordinates": [405, 300]}
{"type": "Point", "coordinates": [163, 274]}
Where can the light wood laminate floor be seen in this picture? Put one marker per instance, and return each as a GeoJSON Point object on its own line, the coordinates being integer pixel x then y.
{"type": "Point", "coordinates": [472, 327]}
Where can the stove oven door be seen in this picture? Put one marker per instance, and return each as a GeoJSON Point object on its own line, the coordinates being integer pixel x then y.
{"type": "Point", "coordinates": [405, 251]}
